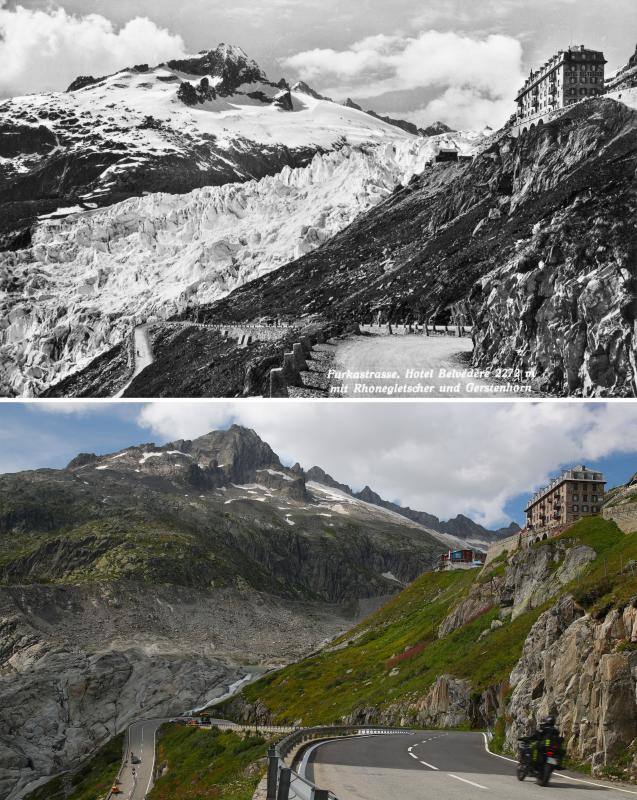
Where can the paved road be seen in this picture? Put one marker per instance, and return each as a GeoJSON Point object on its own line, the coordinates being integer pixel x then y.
{"type": "Point", "coordinates": [440, 765]}
{"type": "Point", "coordinates": [143, 354]}
{"type": "Point", "coordinates": [136, 779]}
{"type": "Point", "coordinates": [422, 354]}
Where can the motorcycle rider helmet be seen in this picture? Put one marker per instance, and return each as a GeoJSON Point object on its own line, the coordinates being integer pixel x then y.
{"type": "Point", "coordinates": [547, 722]}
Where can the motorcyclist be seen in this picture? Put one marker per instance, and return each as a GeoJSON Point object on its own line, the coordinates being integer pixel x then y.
{"type": "Point", "coordinates": [546, 730]}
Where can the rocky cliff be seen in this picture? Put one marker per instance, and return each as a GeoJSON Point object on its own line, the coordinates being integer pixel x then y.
{"type": "Point", "coordinates": [582, 670]}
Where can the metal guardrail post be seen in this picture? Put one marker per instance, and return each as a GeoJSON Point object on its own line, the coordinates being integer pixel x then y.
{"type": "Point", "coordinates": [284, 784]}
{"type": "Point", "coordinates": [273, 770]}
{"type": "Point", "coordinates": [320, 794]}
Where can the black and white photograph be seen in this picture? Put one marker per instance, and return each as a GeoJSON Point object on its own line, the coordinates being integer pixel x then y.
{"type": "Point", "coordinates": [292, 199]}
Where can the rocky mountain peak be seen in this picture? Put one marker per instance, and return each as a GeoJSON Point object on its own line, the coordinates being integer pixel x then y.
{"type": "Point", "coordinates": [369, 496]}
{"type": "Point", "coordinates": [81, 460]}
{"type": "Point", "coordinates": [302, 86]}
{"type": "Point", "coordinates": [227, 62]}
{"type": "Point", "coordinates": [436, 128]}
{"type": "Point", "coordinates": [320, 476]}
{"type": "Point", "coordinates": [239, 451]}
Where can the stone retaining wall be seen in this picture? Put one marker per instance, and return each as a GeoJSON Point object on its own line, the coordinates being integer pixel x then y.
{"type": "Point", "coordinates": [497, 548]}
{"type": "Point", "coordinates": [625, 516]}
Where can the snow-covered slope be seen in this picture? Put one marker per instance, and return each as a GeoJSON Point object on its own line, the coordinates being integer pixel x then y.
{"type": "Point", "coordinates": [340, 502]}
{"type": "Point", "coordinates": [89, 277]}
{"type": "Point", "coordinates": [204, 120]}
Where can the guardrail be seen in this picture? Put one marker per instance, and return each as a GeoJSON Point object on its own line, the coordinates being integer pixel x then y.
{"type": "Point", "coordinates": [284, 783]}
{"type": "Point", "coordinates": [118, 777]}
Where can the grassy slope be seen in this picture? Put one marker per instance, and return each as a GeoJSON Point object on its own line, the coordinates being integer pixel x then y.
{"type": "Point", "coordinates": [402, 635]}
{"type": "Point", "coordinates": [90, 782]}
{"type": "Point", "coordinates": [207, 764]}
{"type": "Point", "coordinates": [355, 672]}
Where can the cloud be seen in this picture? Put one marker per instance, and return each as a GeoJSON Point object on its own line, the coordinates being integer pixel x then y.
{"type": "Point", "coordinates": [444, 458]}
{"type": "Point", "coordinates": [46, 50]}
{"type": "Point", "coordinates": [477, 77]}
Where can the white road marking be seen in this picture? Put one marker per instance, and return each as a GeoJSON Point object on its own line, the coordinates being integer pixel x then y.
{"type": "Point", "coordinates": [464, 780]}
{"type": "Point", "coordinates": [431, 766]}
{"type": "Point", "coordinates": [590, 783]}
{"type": "Point", "coordinates": [152, 767]}
{"type": "Point", "coordinates": [413, 755]}
{"type": "Point", "coordinates": [497, 755]}
{"type": "Point", "coordinates": [560, 777]}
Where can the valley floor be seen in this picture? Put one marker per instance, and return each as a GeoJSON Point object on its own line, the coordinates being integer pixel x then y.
{"type": "Point", "coordinates": [422, 367]}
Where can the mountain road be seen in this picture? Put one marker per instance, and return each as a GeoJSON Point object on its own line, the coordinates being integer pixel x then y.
{"type": "Point", "coordinates": [445, 765]}
{"type": "Point", "coordinates": [136, 779]}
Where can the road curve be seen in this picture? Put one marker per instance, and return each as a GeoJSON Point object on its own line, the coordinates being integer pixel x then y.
{"type": "Point", "coordinates": [136, 779]}
{"type": "Point", "coordinates": [437, 764]}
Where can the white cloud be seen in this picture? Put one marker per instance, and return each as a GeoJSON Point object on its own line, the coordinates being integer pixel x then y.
{"type": "Point", "coordinates": [444, 458]}
{"type": "Point", "coordinates": [477, 77]}
{"type": "Point", "coordinates": [46, 50]}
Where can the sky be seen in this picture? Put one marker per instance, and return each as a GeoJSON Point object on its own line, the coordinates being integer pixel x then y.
{"type": "Point", "coordinates": [479, 459]}
{"type": "Point", "coordinates": [456, 60]}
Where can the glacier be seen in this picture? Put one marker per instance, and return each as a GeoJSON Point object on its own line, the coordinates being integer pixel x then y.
{"type": "Point", "coordinates": [89, 278]}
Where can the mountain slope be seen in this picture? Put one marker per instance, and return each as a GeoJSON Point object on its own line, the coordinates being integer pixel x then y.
{"type": "Point", "coordinates": [209, 119]}
{"type": "Point", "coordinates": [532, 242]}
{"type": "Point", "coordinates": [466, 531]}
{"type": "Point", "coordinates": [145, 582]}
{"type": "Point", "coordinates": [548, 630]}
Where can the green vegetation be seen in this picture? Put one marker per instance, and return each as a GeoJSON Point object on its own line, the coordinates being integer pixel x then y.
{"type": "Point", "coordinates": [395, 656]}
{"type": "Point", "coordinates": [622, 766]}
{"type": "Point", "coordinates": [91, 782]}
{"type": "Point", "coordinates": [608, 581]}
{"type": "Point", "coordinates": [199, 764]}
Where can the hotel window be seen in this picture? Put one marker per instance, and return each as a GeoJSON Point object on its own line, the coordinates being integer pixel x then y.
{"type": "Point", "coordinates": [594, 509]}
{"type": "Point", "coordinates": [575, 508]}
{"type": "Point", "coordinates": [575, 498]}
{"type": "Point", "coordinates": [584, 508]}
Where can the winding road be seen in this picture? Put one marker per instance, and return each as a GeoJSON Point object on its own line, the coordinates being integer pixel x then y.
{"type": "Point", "coordinates": [136, 779]}
{"type": "Point", "coordinates": [437, 764]}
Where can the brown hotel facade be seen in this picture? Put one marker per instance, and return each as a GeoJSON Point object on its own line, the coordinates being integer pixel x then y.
{"type": "Point", "coordinates": [578, 492]}
{"type": "Point", "coordinates": [567, 77]}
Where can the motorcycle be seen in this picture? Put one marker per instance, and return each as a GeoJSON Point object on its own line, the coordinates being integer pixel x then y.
{"type": "Point", "coordinates": [548, 757]}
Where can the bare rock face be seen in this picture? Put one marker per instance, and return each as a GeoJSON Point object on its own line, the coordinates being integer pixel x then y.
{"type": "Point", "coordinates": [79, 664]}
{"type": "Point", "coordinates": [482, 597]}
{"type": "Point", "coordinates": [561, 304]}
{"type": "Point", "coordinates": [530, 578]}
{"type": "Point", "coordinates": [570, 668]}
{"type": "Point", "coordinates": [446, 705]}
{"type": "Point", "coordinates": [538, 573]}
{"type": "Point", "coordinates": [65, 704]}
